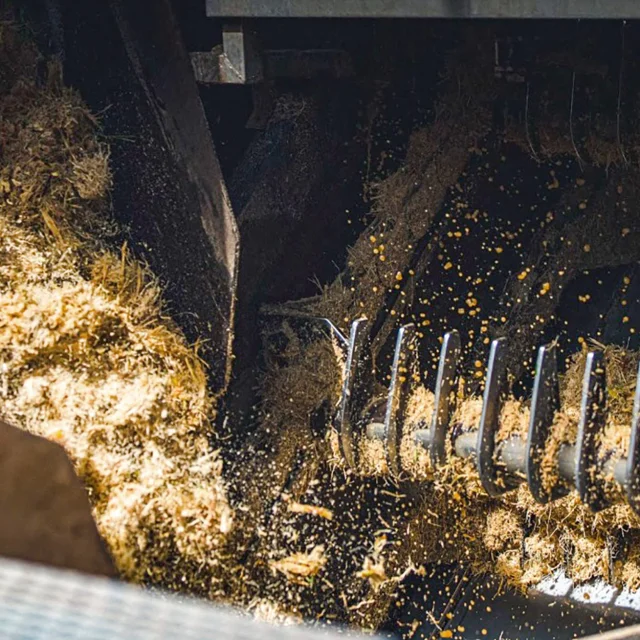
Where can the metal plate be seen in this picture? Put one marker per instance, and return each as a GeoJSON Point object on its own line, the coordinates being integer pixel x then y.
{"type": "Point", "coordinates": [424, 8]}
{"type": "Point", "coordinates": [45, 512]}
{"type": "Point", "coordinates": [37, 603]}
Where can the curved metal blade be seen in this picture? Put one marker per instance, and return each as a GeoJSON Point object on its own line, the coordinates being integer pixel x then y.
{"type": "Point", "coordinates": [493, 480]}
{"type": "Point", "coordinates": [445, 390]}
{"type": "Point", "coordinates": [593, 415]}
{"type": "Point", "coordinates": [404, 367]}
{"type": "Point", "coordinates": [356, 390]}
{"type": "Point", "coordinates": [545, 401]}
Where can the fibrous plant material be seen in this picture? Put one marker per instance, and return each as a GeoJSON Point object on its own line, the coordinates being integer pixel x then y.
{"type": "Point", "coordinates": [414, 458]}
{"type": "Point", "coordinates": [88, 357]}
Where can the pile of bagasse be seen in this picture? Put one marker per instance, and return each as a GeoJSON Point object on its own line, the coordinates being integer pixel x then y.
{"type": "Point", "coordinates": [89, 358]}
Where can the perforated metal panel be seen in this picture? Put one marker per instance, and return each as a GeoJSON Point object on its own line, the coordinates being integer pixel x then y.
{"type": "Point", "coordinates": [38, 603]}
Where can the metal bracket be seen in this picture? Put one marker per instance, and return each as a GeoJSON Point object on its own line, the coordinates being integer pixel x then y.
{"type": "Point", "coordinates": [237, 61]}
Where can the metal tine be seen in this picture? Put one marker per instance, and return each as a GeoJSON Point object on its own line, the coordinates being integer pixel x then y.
{"type": "Point", "coordinates": [494, 392]}
{"type": "Point", "coordinates": [445, 396]}
{"type": "Point", "coordinates": [343, 342]}
{"type": "Point", "coordinates": [632, 484]}
{"type": "Point", "coordinates": [619, 103]}
{"type": "Point", "coordinates": [593, 414]}
{"type": "Point", "coordinates": [545, 402]}
{"type": "Point", "coordinates": [527, 127]}
{"type": "Point", "coordinates": [571, 109]}
{"type": "Point", "coordinates": [404, 367]}
{"type": "Point", "coordinates": [356, 390]}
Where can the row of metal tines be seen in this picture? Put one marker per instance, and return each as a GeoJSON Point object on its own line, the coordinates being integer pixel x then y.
{"type": "Point", "coordinates": [501, 465]}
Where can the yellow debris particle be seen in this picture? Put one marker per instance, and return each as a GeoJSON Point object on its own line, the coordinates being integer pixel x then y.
{"type": "Point", "coordinates": [625, 319]}
{"type": "Point", "coordinates": [382, 258]}
{"type": "Point", "coordinates": [446, 633]}
{"type": "Point", "coordinates": [626, 231]}
{"type": "Point", "coordinates": [374, 572]}
{"type": "Point", "coordinates": [311, 509]}
{"type": "Point", "coordinates": [499, 249]}
{"type": "Point", "coordinates": [586, 248]}
{"type": "Point", "coordinates": [398, 275]}
{"type": "Point", "coordinates": [582, 205]}
{"type": "Point", "coordinates": [626, 280]}
{"type": "Point", "coordinates": [523, 274]}
{"type": "Point", "coordinates": [580, 182]}
{"type": "Point", "coordinates": [372, 238]}
{"type": "Point", "coordinates": [544, 289]}
{"type": "Point", "coordinates": [461, 311]}
{"type": "Point", "coordinates": [299, 566]}
{"type": "Point", "coordinates": [448, 266]}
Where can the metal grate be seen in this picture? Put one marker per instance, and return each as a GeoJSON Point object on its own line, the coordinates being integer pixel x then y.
{"type": "Point", "coordinates": [42, 603]}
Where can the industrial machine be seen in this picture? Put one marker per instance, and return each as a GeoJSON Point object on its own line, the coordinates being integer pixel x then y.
{"type": "Point", "coordinates": [238, 231]}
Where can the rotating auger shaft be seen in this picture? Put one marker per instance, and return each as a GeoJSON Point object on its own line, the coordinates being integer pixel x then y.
{"type": "Point", "coordinates": [502, 465]}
